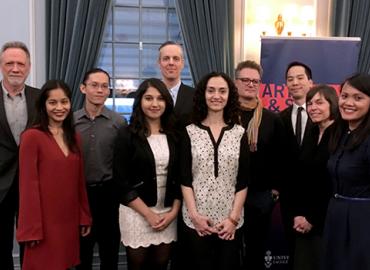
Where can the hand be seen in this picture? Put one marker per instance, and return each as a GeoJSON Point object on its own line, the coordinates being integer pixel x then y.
{"type": "Point", "coordinates": [85, 230]}
{"type": "Point", "coordinates": [275, 194]}
{"type": "Point", "coordinates": [155, 220]}
{"type": "Point", "coordinates": [32, 243]}
{"type": "Point", "coordinates": [226, 229]}
{"type": "Point", "coordinates": [167, 218]}
{"type": "Point", "coordinates": [203, 225]}
{"type": "Point", "coordinates": [301, 224]}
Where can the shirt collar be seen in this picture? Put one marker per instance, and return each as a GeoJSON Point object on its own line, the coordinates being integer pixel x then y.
{"type": "Point", "coordinates": [83, 113]}
{"type": "Point", "coordinates": [295, 107]}
{"type": "Point", "coordinates": [176, 88]}
{"type": "Point", "coordinates": [6, 92]}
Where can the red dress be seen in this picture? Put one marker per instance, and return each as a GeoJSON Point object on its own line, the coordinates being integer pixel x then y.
{"type": "Point", "coordinates": [53, 202]}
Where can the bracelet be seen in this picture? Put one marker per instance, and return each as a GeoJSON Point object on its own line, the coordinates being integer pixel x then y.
{"type": "Point", "coordinates": [233, 221]}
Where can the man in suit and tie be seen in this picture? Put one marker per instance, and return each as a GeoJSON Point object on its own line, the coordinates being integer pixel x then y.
{"type": "Point", "coordinates": [171, 63]}
{"type": "Point", "coordinates": [17, 102]}
{"type": "Point", "coordinates": [296, 124]}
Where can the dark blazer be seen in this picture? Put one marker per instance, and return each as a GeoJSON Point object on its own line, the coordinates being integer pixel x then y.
{"type": "Point", "coordinates": [286, 117]}
{"type": "Point", "coordinates": [312, 191]}
{"type": "Point", "coordinates": [184, 101]}
{"type": "Point", "coordinates": [291, 156]}
{"type": "Point", "coordinates": [135, 173]}
{"type": "Point", "coordinates": [265, 163]}
{"type": "Point", "coordinates": [184, 105]}
{"type": "Point", "coordinates": [8, 146]}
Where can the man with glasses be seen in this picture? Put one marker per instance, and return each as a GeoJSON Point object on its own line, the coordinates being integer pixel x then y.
{"type": "Point", "coordinates": [17, 109]}
{"type": "Point", "coordinates": [98, 127]}
{"type": "Point", "coordinates": [264, 130]}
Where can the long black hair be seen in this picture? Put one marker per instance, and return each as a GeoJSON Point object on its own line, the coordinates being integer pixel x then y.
{"type": "Point", "coordinates": [138, 122]}
{"type": "Point", "coordinates": [200, 109]}
{"type": "Point", "coordinates": [41, 121]}
{"type": "Point", "coordinates": [361, 82]}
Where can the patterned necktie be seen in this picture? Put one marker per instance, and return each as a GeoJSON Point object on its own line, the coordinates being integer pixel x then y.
{"type": "Point", "coordinates": [298, 126]}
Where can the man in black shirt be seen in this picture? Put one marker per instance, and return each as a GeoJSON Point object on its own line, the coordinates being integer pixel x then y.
{"type": "Point", "coordinates": [264, 130]}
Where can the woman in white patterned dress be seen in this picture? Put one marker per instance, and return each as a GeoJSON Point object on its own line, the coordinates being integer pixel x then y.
{"type": "Point", "coordinates": [145, 167]}
{"type": "Point", "coordinates": [214, 168]}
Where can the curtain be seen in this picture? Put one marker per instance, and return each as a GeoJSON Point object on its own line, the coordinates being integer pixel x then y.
{"type": "Point", "coordinates": [207, 27]}
{"type": "Point", "coordinates": [74, 36]}
{"type": "Point", "coordinates": [351, 18]}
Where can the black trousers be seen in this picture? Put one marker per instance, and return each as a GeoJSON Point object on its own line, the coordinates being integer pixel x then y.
{"type": "Point", "coordinates": [105, 229]}
{"type": "Point", "coordinates": [287, 219]}
{"type": "Point", "coordinates": [256, 230]}
{"type": "Point", "coordinates": [8, 209]}
{"type": "Point", "coordinates": [211, 252]}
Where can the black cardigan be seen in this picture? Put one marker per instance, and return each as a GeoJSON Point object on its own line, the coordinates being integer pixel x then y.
{"type": "Point", "coordinates": [134, 170]}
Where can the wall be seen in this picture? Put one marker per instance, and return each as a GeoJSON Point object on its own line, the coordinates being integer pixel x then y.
{"type": "Point", "coordinates": [24, 20]}
{"type": "Point", "coordinates": [251, 19]}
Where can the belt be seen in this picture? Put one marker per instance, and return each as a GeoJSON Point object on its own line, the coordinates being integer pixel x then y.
{"type": "Point", "coordinates": [337, 196]}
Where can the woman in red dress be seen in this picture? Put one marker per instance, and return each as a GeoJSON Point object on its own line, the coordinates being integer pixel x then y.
{"type": "Point", "coordinates": [53, 208]}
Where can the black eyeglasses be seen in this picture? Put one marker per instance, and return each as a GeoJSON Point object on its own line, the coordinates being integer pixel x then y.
{"type": "Point", "coordinates": [248, 81]}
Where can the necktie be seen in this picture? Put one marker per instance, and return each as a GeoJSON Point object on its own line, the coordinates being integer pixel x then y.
{"type": "Point", "coordinates": [298, 126]}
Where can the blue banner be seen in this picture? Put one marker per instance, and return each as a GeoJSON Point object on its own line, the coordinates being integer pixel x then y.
{"type": "Point", "coordinates": [331, 60]}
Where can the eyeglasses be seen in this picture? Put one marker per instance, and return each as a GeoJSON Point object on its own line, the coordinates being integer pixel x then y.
{"type": "Point", "coordinates": [96, 86]}
{"type": "Point", "coordinates": [248, 81]}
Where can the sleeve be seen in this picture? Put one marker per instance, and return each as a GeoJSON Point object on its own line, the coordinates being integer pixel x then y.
{"type": "Point", "coordinates": [175, 169]}
{"type": "Point", "coordinates": [244, 166]}
{"type": "Point", "coordinates": [85, 215]}
{"type": "Point", "coordinates": [30, 211]}
{"type": "Point", "coordinates": [122, 167]}
{"type": "Point", "coordinates": [278, 150]}
{"type": "Point", "coordinates": [186, 175]}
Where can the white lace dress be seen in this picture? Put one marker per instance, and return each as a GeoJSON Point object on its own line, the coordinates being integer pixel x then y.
{"type": "Point", "coordinates": [135, 230]}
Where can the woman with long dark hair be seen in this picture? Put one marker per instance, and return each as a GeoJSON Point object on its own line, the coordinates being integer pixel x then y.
{"type": "Point", "coordinates": [214, 166]}
{"type": "Point", "coordinates": [145, 168]}
{"type": "Point", "coordinates": [346, 235]}
{"type": "Point", "coordinates": [53, 209]}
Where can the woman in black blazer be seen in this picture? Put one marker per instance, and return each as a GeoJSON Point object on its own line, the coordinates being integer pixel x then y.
{"type": "Point", "coordinates": [145, 168]}
{"type": "Point", "coordinates": [312, 187]}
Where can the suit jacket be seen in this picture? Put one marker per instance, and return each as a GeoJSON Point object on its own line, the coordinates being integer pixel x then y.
{"type": "Point", "coordinates": [184, 106]}
{"type": "Point", "coordinates": [312, 192]}
{"type": "Point", "coordinates": [291, 156]}
{"type": "Point", "coordinates": [135, 172]}
{"type": "Point", "coordinates": [184, 101]}
{"type": "Point", "coordinates": [8, 146]}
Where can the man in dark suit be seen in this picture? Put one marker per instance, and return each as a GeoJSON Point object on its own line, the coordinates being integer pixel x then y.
{"type": "Point", "coordinates": [17, 102]}
{"type": "Point", "coordinates": [171, 63]}
{"type": "Point", "coordinates": [297, 125]}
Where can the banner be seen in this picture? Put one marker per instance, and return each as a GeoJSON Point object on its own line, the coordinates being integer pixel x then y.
{"type": "Point", "coordinates": [331, 60]}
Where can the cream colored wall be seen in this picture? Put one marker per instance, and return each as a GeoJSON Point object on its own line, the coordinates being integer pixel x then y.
{"type": "Point", "coordinates": [252, 17]}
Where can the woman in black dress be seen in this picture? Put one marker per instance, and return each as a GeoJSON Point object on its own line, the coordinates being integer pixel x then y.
{"type": "Point", "coordinates": [346, 236]}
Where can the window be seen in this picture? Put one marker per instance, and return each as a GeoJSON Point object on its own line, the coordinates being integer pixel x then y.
{"type": "Point", "coordinates": [134, 32]}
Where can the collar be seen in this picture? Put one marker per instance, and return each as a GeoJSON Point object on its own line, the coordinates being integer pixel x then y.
{"type": "Point", "coordinates": [83, 113]}
{"type": "Point", "coordinates": [176, 88]}
{"type": "Point", "coordinates": [295, 107]}
{"type": "Point", "coordinates": [6, 92]}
